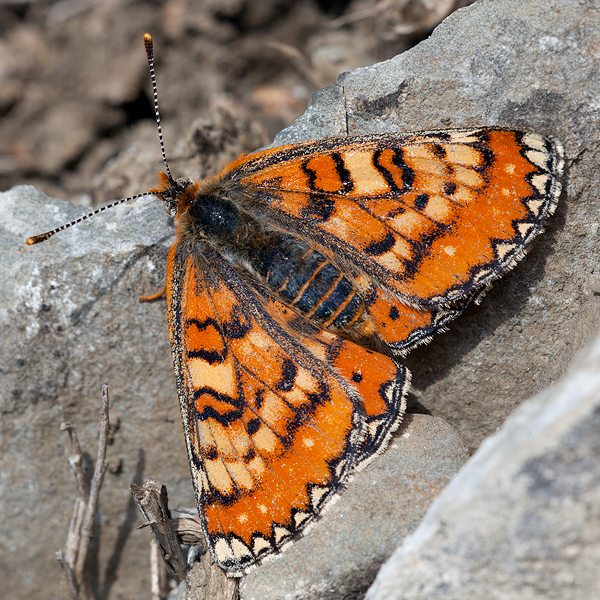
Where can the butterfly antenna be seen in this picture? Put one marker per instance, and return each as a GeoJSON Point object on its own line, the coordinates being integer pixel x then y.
{"type": "Point", "coordinates": [36, 239]}
{"type": "Point", "coordinates": [150, 54]}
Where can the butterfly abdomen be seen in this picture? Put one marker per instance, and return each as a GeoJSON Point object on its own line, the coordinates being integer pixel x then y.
{"type": "Point", "coordinates": [307, 280]}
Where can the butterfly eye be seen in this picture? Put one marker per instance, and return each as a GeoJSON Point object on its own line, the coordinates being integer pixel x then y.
{"type": "Point", "coordinates": [170, 205]}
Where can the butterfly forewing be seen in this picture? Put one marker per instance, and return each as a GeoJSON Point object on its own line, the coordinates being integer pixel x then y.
{"type": "Point", "coordinates": [431, 216]}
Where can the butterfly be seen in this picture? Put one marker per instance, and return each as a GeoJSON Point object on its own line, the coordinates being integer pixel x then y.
{"type": "Point", "coordinates": [300, 275]}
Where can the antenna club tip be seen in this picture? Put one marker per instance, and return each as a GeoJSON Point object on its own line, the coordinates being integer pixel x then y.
{"type": "Point", "coordinates": [148, 42]}
{"type": "Point", "coordinates": [36, 239]}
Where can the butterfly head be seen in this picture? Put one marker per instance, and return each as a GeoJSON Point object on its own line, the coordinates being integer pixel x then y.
{"type": "Point", "coordinates": [177, 194]}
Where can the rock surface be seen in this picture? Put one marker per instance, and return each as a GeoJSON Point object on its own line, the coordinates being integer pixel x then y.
{"type": "Point", "coordinates": [522, 520]}
{"type": "Point", "coordinates": [71, 320]}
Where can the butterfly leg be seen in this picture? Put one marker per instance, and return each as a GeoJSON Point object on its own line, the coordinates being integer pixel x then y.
{"type": "Point", "coordinates": [155, 296]}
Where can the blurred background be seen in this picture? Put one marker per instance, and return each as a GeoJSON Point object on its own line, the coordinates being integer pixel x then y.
{"type": "Point", "coordinates": [75, 91]}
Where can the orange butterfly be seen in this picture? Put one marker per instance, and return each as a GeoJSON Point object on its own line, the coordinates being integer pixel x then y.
{"type": "Point", "coordinates": [296, 273]}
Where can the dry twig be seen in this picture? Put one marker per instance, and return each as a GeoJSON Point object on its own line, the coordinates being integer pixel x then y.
{"type": "Point", "coordinates": [151, 498]}
{"type": "Point", "coordinates": [204, 580]}
{"type": "Point", "coordinates": [82, 521]}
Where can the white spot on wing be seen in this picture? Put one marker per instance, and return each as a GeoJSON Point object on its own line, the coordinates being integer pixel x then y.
{"type": "Point", "coordinates": [316, 495]}
{"type": "Point", "coordinates": [482, 275]}
{"type": "Point", "coordinates": [340, 469]}
{"type": "Point", "coordinates": [534, 206]}
{"type": "Point", "coordinates": [538, 158]}
{"type": "Point", "coordinates": [374, 425]}
{"type": "Point", "coordinates": [464, 137]}
{"type": "Point", "coordinates": [281, 533]}
{"type": "Point", "coordinates": [534, 140]}
{"type": "Point", "coordinates": [525, 228]}
{"type": "Point", "coordinates": [539, 182]}
{"type": "Point", "coordinates": [503, 249]}
{"type": "Point", "coordinates": [223, 551]}
{"type": "Point", "coordinates": [239, 548]}
{"type": "Point", "coordinates": [260, 545]}
{"type": "Point", "coordinates": [300, 517]}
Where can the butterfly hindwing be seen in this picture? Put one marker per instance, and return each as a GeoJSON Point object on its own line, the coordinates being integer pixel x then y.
{"type": "Point", "coordinates": [402, 327]}
{"type": "Point", "coordinates": [380, 382]}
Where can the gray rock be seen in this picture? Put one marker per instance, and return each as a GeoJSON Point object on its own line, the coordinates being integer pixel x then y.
{"type": "Point", "coordinates": [71, 320]}
{"type": "Point", "coordinates": [522, 519]}
{"type": "Point", "coordinates": [382, 504]}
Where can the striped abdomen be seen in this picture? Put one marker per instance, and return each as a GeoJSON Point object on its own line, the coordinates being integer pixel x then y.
{"type": "Point", "coordinates": [304, 278]}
